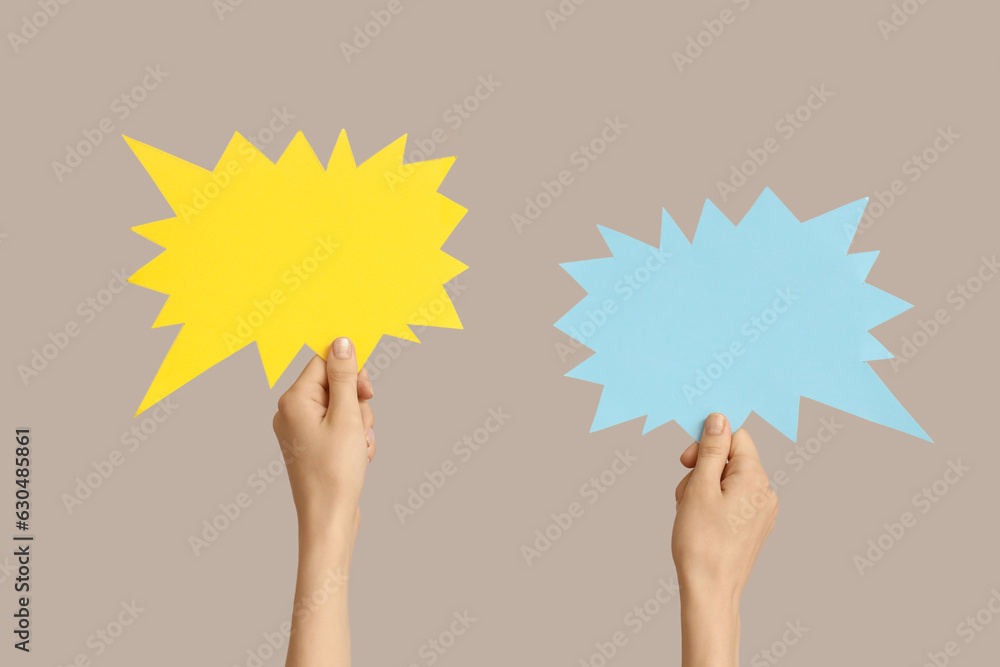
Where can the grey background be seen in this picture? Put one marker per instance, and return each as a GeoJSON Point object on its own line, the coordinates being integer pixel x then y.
{"type": "Point", "coordinates": [461, 551]}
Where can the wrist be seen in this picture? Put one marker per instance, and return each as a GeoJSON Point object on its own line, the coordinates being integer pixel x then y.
{"type": "Point", "coordinates": [324, 514]}
{"type": "Point", "coordinates": [329, 535]}
{"type": "Point", "coordinates": [722, 607]}
{"type": "Point", "coordinates": [710, 625]}
{"type": "Point", "coordinates": [709, 593]}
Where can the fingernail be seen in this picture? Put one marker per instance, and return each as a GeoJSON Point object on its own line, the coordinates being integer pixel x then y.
{"type": "Point", "coordinates": [371, 436]}
{"type": "Point", "coordinates": [342, 348]}
{"type": "Point", "coordinates": [715, 424]}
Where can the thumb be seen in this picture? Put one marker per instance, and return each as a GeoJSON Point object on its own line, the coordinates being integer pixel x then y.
{"type": "Point", "coordinates": [713, 451]}
{"type": "Point", "coordinates": [342, 373]}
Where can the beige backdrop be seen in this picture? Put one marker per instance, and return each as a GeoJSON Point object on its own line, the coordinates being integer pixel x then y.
{"type": "Point", "coordinates": [192, 72]}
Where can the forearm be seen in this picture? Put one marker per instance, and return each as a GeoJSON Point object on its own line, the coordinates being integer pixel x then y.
{"type": "Point", "coordinates": [320, 634]}
{"type": "Point", "coordinates": [710, 630]}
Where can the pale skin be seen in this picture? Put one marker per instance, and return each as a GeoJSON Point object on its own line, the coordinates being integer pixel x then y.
{"type": "Point", "coordinates": [725, 512]}
{"type": "Point", "coordinates": [325, 428]}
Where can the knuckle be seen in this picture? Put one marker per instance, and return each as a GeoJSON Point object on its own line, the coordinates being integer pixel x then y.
{"type": "Point", "coordinates": [711, 450]}
{"type": "Point", "coordinates": [285, 402]}
{"type": "Point", "coordinates": [338, 375]}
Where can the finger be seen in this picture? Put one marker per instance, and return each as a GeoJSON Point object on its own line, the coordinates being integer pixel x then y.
{"type": "Point", "coordinates": [743, 456]}
{"type": "Point", "coordinates": [679, 491]}
{"type": "Point", "coordinates": [713, 451]}
{"type": "Point", "coordinates": [690, 455]}
{"type": "Point", "coordinates": [342, 374]}
{"type": "Point", "coordinates": [365, 389]}
{"type": "Point", "coordinates": [368, 423]}
{"type": "Point", "coordinates": [308, 388]}
{"type": "Point", "coordinates": [367, 416]}
{"type": "Point", "coordinates": [314, 382]}
{"type": "Point", "coordinates": [314, 374]}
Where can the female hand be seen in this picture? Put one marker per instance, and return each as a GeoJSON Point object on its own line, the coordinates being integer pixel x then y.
{"type": "Point", "coordinates": [326, 432]}
{"type": "Point", "coordinates": [725, 512]}
{"type": "Point", "coordinates": [325, 428]}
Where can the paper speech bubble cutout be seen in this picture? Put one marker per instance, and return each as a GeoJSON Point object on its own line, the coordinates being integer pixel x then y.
{"type": "Point", "coordinates": [746, 317]}
{"type": "Point", "coordinates": [292, 253]}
